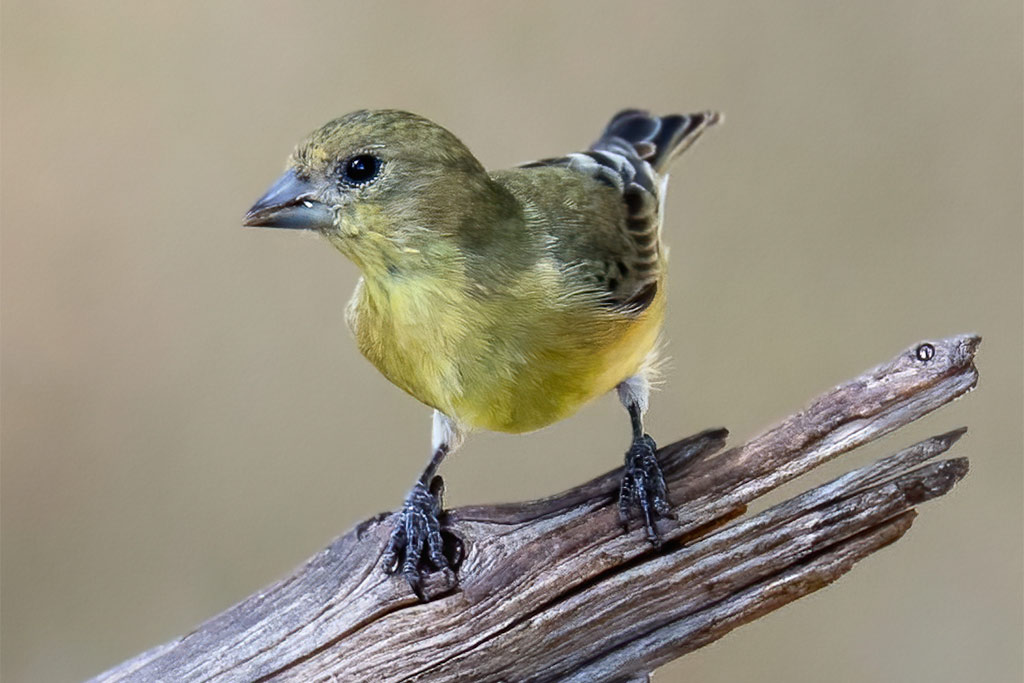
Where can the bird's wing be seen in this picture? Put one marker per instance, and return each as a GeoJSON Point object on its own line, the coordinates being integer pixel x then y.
{"type": "Point", "coordinates": [632, 158]}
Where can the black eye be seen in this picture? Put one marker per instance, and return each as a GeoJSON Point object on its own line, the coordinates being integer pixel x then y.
{"type": "Point", "coordinates": [360, 169]}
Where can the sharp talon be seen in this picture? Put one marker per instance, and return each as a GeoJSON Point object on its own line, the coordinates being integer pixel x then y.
{"type": "Point", "coordinates": [415, 583]}
{"type": "Point", "coordinates": [643, 488]}
{"type": "Point", "coordinates": [624, 508]}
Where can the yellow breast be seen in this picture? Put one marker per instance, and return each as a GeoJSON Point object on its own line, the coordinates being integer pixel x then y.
{"type": "Point", "coordinates": [512, 360]}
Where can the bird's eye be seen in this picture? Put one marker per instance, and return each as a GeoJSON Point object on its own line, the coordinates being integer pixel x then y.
{"type": "Point", "coordinates": [360, 169]}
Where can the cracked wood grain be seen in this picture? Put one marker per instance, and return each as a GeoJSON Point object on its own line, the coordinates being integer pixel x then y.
{"type": "Point", "coordinates": [555, 590]}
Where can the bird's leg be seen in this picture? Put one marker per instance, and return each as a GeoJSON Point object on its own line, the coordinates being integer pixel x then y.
{"type": "Point", "coordinates": [416, 542]}
{"type": "Point", "coordinates": [643, 484]}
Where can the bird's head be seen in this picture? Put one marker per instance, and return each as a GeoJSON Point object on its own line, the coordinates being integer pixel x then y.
{"type": "Point", "coordinates": [386, 187]}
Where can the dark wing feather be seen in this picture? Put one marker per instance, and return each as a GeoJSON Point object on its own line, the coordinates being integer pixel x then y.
{"type": "Point", "coordinates": [632, 157]}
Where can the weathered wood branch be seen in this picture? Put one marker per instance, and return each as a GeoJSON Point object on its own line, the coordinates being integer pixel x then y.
{"type": "Point", "coordinates": [554, 590]}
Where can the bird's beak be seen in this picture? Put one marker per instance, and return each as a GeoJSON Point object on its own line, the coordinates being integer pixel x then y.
{"type": "Point", "coordinates": [290, 203]}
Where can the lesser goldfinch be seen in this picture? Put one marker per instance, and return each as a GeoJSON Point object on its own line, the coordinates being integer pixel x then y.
{"type": "Point", "coordinates": [504, 300]}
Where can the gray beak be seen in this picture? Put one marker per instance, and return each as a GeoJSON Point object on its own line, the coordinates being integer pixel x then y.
{"type": "Point", "coordinates": [289, 204]}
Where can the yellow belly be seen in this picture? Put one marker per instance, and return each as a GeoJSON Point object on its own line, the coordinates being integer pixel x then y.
{"type": "Point", "coordinates": [511, 362]}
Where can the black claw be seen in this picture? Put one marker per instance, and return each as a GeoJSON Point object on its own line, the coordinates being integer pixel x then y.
{"type": "Point", "coordinates": [643, 488]}
{"type": "Point", "coordinates": [417, 545]}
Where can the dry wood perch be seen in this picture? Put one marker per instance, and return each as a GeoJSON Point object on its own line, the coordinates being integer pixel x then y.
{"type": "Point", "coordinates": [554, 590]}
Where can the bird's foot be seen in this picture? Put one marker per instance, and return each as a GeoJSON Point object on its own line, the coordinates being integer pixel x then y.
{"type": "Point", "coordinates": [643, 487]}
{"type": "Point", "coordinates": [417, 544]}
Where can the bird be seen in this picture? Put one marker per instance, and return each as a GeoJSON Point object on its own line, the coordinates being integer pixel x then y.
{"type": "Point", "coordinates": [504, 300]}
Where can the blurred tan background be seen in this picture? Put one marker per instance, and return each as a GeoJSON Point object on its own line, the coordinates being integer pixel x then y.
{"type": "Point", "coordinates": [184, 415]}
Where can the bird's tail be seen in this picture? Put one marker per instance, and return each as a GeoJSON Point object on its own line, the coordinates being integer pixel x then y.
{"type": "Point", "coordinates": [656, 139]}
